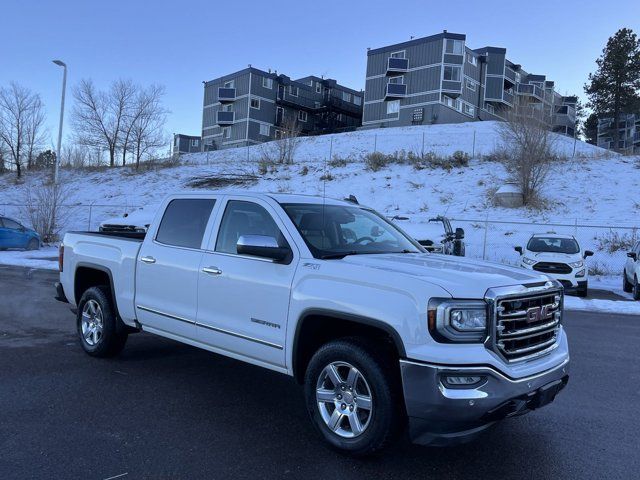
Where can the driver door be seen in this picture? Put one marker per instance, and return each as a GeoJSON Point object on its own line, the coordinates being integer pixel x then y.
{"type": "Point", "coordinates": [11, 234]}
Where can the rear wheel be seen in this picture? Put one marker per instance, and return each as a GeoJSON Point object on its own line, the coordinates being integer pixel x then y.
{"type": "Point", "coordinates": [353, 396]}
{"type": "Point", "coordinates": [636, 289]}
{"type": "Point", "coordinates": [33, 244]}
{"type": "Point", "coordinates": [96, 324]}
{"type": "Point", "coordinates": [626, 284]}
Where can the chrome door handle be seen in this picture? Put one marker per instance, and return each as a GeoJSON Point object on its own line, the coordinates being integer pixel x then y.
{"type": "Point", "coordinates": [212, 270]}
{"type": "Point", "coordinates": [148, 259]}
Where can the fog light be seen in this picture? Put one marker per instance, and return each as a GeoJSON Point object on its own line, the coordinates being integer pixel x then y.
{"type": "Point", "coordinates": [462, 381]}
{"type": "Point", "coordinates": [580, 273]}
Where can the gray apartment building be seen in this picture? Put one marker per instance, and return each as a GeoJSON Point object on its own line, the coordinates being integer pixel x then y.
{"type": "Point", "coordinates": [186, 144]}
{"type": "Point", "coordinates": [253, 106]}
{"type": "Point", "coordinates": [628, 133]}
{"type": "Point", "coordinates": [438, 79]}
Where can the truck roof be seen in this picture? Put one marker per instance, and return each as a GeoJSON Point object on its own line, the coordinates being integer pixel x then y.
{"type": "Point", "coordinates": [278, 197]}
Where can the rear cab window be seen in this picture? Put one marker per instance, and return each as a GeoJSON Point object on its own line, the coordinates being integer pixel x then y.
{"type": "Point", "coordinates": [184, 222]}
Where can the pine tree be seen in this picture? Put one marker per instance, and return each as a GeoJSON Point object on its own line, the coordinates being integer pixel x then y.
{"type": "Point", "coordinates": [613, 88]}
{"type": "Point", "coordinates": [590, 129]}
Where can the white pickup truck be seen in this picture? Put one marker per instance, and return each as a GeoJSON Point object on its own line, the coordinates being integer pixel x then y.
{"type": "Point", "coordinates": [381, 333]}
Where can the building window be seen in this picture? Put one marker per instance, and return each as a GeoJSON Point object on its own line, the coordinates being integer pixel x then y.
{"type": "Point", "coordinates": [393, 107]}
{"type": "Point", "coordinates": [264, 129]}
{"type": "Point", "coordinates": [490, 108]}
{"type": "Point", "coordinates": [357, 100]}
{"type": "Point", "coordinates": [293, 91]}
{"type": "Point", "coordinates": [452, 102]}
{"type": "Point", "coordinates": [195, 142]}
{"type": "Point", "coordinates": [267, 82]}
{"type": "Point", "coordinates": [454, 47]}
{"type": "Point", "coordinates": [226, 132]}
{"type": "Point", "coordinates": [302, 116]}
{"type": "Point", "coordinates": [255, 103]}
{"type": "Point", "coordinates": [470, 85]}
{"type": "Point", "coordinates": [227, 108]}
{"type": "Point", "coordinates": [472, 59]}
{"type": "Point", "coordinates": [518, 77]}
{"type": "Point", "coordinates": [341, 117]}
{"type": "Point", "coordinates": [318, 87]}
{"type": "Point", "coordinates": [346, 96]}
{"type": "Point", "coordinates": [399, 54]}
{"type": "Point", "coordinates": [452, 73]}
{"type": "Point", "coordinates": [468, 109]}
{"type": "Point", "coordinates": [399, 79]}
{"type": "Point", "coordinates": [229, 84]}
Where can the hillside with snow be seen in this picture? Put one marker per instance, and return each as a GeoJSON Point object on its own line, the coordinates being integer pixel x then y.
{"type": "Point", "coordinates": [590, 187]}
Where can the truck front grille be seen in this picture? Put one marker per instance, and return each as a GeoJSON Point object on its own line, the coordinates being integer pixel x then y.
{"type": "Point", "coordinates": [527, 327]}
{"type": "Point", "coordinates": [552, 267]}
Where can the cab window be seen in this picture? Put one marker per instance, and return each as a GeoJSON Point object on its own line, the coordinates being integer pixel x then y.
{"type": "Point", "coordinates": [245, 218]}
{"type": "Point", "coordinates": [184, 222]}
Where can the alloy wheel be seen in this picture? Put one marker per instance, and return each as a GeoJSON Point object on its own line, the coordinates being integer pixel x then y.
{"type": "Point", "coordinates": [92, 324]}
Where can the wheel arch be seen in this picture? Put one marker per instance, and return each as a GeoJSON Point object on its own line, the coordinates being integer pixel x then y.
{"type": "Point", "coordinates": [314, 329]}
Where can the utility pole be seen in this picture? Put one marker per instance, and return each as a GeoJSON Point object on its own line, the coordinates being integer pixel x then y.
{"type": "Point", "coordinates": [60, 63]}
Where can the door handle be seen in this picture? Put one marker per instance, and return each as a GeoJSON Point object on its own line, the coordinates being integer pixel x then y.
{"type": "Point", "coordinates": [212, 270]}
{"type": "Point", "coordinates": [148, 259]}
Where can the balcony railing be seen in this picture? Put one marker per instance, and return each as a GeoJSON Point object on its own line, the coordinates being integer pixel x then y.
{"type": "Point", "coordinates": [510, 74]}
{"type": "Point", "coordinates": [531, 90]}
{"type": "Point", "coordinates": [226, 95]}
{"type": "Point", "coordinates": [396, 90]}
{"type": "Point", "coordinates": [396, 66]}
{"type": "Point", "coordinates": [225, 118]}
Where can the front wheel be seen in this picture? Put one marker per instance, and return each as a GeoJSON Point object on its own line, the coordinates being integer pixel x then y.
{"type": "Point", "coordinates": [626, 284]}
{"type": "Point", "coordinates": [353, 396]}
{"type": "Point", "coordinates": [96, 324]}
{"type": "Point", "coordinates": [636, 289]}
{"type": "Point", "coordinates": [33, 244]}
{"type": "Point", "coordinates": [583, 291]}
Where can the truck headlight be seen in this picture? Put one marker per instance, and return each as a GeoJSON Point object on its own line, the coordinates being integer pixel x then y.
{"type": "Point", "coordinates": [528, 261]}
{"type": "Point", "coordinates": [463, 321]}
{"type": "Point", "coordinates": [577, 264]}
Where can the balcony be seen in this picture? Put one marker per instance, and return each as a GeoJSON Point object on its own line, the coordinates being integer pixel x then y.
{"type": "Point", "coordinates": [397, 66]}
{"type": "Point", "coordinates": [396, 90]}
{"type": "Point", "coordinates": [509, 75]}
{"type": "Point", "coordinates": [534, 92]}
{"type": "Point", "coordinates": [225, 118]}
{"type": "Point", "coordinates": [226, 95]}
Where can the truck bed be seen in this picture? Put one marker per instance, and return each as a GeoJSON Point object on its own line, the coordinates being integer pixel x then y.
{"type": "Point", "coordinates": [136, 236]}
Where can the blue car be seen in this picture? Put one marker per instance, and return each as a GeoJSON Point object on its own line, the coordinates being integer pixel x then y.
{"type": "Point", "coordinates": [15, 235]}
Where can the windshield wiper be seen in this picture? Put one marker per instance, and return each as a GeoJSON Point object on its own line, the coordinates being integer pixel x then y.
{"type": "Point", "coordinates": [329, 256]}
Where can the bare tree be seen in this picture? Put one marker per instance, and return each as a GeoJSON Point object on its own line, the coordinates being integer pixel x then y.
{"type": "Point", "coordinates": [21, 123]}
{"type": "Point", "coordinates": [44, 206]}
{"type": "Point", "coordinates": [529, 147]}
{"type": "Point", "coordinates": [99, 116]}
{"type": "Point", "coordinates": [147, 122]}
{"type": "Point", "coordinates": [283, 149]}
{"type": "Point", "coordinates": [36, 133]}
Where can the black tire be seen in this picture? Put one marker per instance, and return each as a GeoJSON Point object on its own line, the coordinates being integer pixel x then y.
{"type": "Point", "coordinates": [109, 342]}
{"type": "Point", "coordinates": [380, 371]}
{"type": "Point", "coordinates": [583, 291]}
{"type": "Point", "coordinates": [636, 289]}
{"type": "Point", "coordinates": [626, 284]}
{"type": "Point", "coordinates": [33, 244]}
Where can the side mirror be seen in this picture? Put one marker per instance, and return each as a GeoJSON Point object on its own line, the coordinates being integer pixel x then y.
{"type": "Point", "coordinates": [518, 249]}
{"type": "Point", "coordinates": [588, 253]}
{"type": "Point", "coordinates": [262, 246]}
{"type": "Point", "coordinates": [632, 255]}
{"type": "Point", "coordinates": [459, 233]}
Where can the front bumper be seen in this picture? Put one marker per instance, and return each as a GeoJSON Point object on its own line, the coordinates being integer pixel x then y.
{"type": "Point", "coordinates": [440, 415]}
{"type": "Point", "coordinates": [569, 281]}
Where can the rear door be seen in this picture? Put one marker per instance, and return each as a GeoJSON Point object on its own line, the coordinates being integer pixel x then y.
{"type": "Point", "coordinates": [244, 300]}
{"type": "Point", "coordinates": [11, 234]}
{"type": "Point", "coordinates": [630, 266]}
{"type": "Point", "coordinates": [167, 270]}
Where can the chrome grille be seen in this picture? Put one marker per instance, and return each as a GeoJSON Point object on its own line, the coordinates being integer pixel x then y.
{"type": "Point", "coordinates": [527, 326]}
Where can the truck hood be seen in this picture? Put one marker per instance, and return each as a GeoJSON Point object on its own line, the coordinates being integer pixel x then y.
{"type": "Point", "coordinates": [461, 277]}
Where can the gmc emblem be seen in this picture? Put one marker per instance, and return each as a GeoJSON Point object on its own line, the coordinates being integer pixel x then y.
{"type": "Point", "coordinates": [535, 314]}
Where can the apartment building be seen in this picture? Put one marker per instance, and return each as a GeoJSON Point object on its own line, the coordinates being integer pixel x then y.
{"type": "Point", "coordinates": [186, 144]}
{"type": "Point", "coordinates": [438, 79]}
{"type": "Point", "coordinates": [252, 106]}
{"type": "Point", "coordinates": [628, 133]}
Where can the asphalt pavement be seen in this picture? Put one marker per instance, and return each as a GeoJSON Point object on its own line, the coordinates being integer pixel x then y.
{"type": "Point", "coordinates": [166, 410]}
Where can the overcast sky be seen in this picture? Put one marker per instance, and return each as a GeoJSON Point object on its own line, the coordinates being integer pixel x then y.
{"type": "Point", "coordinates": [181, 43]}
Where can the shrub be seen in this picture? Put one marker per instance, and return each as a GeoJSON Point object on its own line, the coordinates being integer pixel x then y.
{"type": "Point", "coordinates": [460, 158]}
{"type": "Point", "coordinates": [376, 161]}
{"type": "Point", "coordinates": [337, 162]}
{"type": "Point", "coordinates": [304, 170]}
{"type": "Point", "coordinates": [327, 177]}
{"type": "Point", "coordinates": [612, 242]}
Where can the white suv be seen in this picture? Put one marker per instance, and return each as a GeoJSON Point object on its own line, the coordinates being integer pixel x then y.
{"type": "Point", "coordinates": [631, 273]}
{"type": "Point", "coordinates": [560, 257]}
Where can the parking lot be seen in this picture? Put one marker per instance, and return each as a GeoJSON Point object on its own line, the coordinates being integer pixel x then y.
{"type": "Point", "coordinates": [163, 409]}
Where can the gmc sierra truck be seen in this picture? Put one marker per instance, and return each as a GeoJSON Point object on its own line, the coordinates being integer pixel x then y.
{"type": "Point", "coordinates": [381, 334]}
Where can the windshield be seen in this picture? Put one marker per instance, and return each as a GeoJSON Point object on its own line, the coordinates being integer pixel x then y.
{"type": "Point", "coordinates": [333, 231]}
{"type": "Point", "coordinates": [551, 244]}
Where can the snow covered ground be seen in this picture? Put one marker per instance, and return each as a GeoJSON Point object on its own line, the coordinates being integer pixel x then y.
{"type": "Point", "coordinates": [592, 188]}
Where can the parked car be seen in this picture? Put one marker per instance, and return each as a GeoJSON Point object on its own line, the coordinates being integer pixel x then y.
{"type": "Point", "coordinates": [560, 257]}
{"type": "Point", "coordinates": [136, 221]}
{"type": "Point", "coordinates": [380, 332]}
{"type": "Point", "coordinates": [15, 235]}
{"type": "Point", "coordinates": [631, 272]}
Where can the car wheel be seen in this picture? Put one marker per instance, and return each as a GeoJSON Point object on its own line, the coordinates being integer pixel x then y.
{"type": "Point", "coordinates": [353, 396]}
{"type": "Point", "coordinates": [626, 285]}
{"type": "Point", "coordinates": [583, 291]}
{"type": "Point", "coordinates": [636, 289]}
{"type": "Point", "coordinates": [96, 324]}
{"type": "Point", "coordinates": [33, 244]}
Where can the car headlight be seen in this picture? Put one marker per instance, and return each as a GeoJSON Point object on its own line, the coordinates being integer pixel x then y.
{"type": "Point", "coordinates": [528, 261]}
{"type": "Point", "coordinates": [577, 264]}
{"type": "Point", "coordinates": [463, 321]}
{"type": "Point", "coordinates": [580, 273]}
